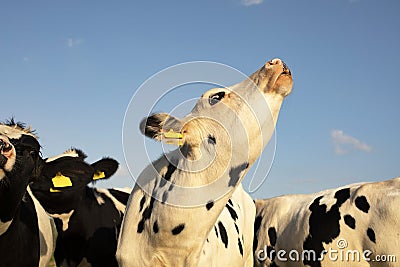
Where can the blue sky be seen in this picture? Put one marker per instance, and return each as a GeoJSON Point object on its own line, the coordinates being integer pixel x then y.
{"type": "Point", "coordinates": [69, 69]}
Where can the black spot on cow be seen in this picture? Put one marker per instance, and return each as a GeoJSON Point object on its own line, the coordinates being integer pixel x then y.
{"type": "Point", "coordinates": [142, 203]}
{"type": "Point", "coordinates": [171, 187]}
{"type": "Point", "coordinates": [164, 197]}
{"type": "Point", "coordinates": [145, 215]}
{"type": "Point", "coordinates": [208, 241]}
{"type": "Point", "coordinates": [209, 204]}
{"type": "Point", "coordinates": [223, 233]}
{"type": "Point", "coordinates": [211, 140]}
{"type": "Point", "coordinates": [350, 221]}
{"type": "Point", "coordinates": [324, 225]}
{"type": "Point", "coordinates": [342, 195]}
{"type": "Point", "coordinates": [163, 182]}
{"type": "Point", "coordinates": [257, 224]}
{"type": "Point", "coordinates": [170, 170]}
{"type": "Point", "coordinates": [371, 235]}
{"type": "Point", "coordinates": [240, 246]}
{"type": "Point", "coordinates": [216, 231]}
{"type": "Point", "coordinates": [237, 228]}
{"type": "Point", "coordinates": [140, 226]}
{"type": "Point", "coordinates": [120, 196]}
{"type": "Point", "coordinates": [178, 229]}
{"type": "Point", "coordinates": [155, 227]}
{"type": "Point", "coordinates": [362, 203]}
{"type": "Point", "coordinates": [235, 173]}
{"type": "Point", "coordinates": [230, 202]}
{"type": "Point", "coordinates": [272, 236]}
{"type": "Point", "coordinates": [232, 212]}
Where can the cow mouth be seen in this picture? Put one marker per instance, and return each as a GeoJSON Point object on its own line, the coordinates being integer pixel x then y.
{"type": "Point", "coordinates": [5, 148]}
{"type": "Point", "coordinates": [285, 70]}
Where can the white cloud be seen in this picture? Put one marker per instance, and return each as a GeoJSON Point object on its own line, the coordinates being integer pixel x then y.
{"type": "Point", "coordinates": [344, 143]}
{"type": "Point", "coordinates": [251, 2]}
{"type": "Point", "coordinates": [74, 42]}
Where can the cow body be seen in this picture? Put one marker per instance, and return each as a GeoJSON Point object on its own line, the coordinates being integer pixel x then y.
{"type": "Point", "coordinates": [340, 224]}
{"type": "Point", "coordinates": [179, 198]}
{"type": "Point", "coordinates": [90, 233]}
{"type": "Point", "coordinates": [87, 219]}
{"type": "Point", "coordinates": [26, 232]}
{"type": "Point", "coordinates": [231, 236]}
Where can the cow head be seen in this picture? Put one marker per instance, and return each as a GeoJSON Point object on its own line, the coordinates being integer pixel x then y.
{"type": "Point", "coordinates": [64, 178]}
{"type": "Point", "coordinates": [228, 126]}
{"type": "Point", "coordinates": [19, 153]}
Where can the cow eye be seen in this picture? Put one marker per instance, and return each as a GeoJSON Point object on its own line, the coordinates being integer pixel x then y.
{"type": "Point", "coordinates": [215, 98]}
{"type": "Point", "coordinates": [33, 153]}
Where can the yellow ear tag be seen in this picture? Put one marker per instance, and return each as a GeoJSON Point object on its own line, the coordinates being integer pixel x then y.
{"type": "Point", "coordinates": [61, 181]}
{"type": "Point", "coordinates": [98, 175]}
{"type": "Point", "coordinates": [173, 138]}
{"type": "Point", "coordinates": [173, 135]}
{"type": "Point", "coordinates": [54, 190]}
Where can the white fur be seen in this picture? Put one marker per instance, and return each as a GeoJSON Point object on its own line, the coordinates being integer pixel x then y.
{"type": "Point", "coordinates": [4, 226]}
{"type": "Point", "coordinates": [99, 199]}
{"type": "Point", "coordinates": [118, 205]}
{"type": "Point", "coordinates": [14, 132]}
{"type": "Point", "coordinates": [47, 232]}
{"type": "Point", "coordinates": [68, 153]}
{"type": "Point", "coordinates": [124, 189]}
{"type": "Point", "coordinates": [64, 218]}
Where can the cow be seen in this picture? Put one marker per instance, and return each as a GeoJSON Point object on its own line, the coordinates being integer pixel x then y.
{"type": "Point", "coordinates": [179, 198]}
{"type": "Point", "coordinates": [354, 225]}
{"type": "Point", "coordinates": [88, 219]}
{"type": "Point", "coordinates": [27, 233]}
{"type": "Point", "coordinates": [231, 234]}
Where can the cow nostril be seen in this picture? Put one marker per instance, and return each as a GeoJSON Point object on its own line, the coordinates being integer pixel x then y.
{"type": "Point", "coordinates": [4, 146]}
{"type": "Point", "coordinates": [7, 147]}
{"type": "Point", "coordinates": [286, 69]}
{"type": "Point", "coordinates": [275, 61]}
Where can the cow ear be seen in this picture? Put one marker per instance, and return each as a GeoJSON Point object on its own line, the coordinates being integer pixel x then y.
{"type": "Point", "coordinates": [104, 168]}
{"type": "Point", "coordinates": [162, 127]}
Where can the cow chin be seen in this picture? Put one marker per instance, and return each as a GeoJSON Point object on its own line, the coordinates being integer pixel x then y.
{"type": "Point", "coordinates": [283, 85]}
{"type": "Point", "coordinates": [274, 77]}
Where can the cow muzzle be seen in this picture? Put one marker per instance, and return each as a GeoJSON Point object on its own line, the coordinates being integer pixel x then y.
{"type": "Point", "coordinates": [5, 151]}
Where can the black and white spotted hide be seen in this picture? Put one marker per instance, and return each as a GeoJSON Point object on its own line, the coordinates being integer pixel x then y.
{"type": "Point", "coordinates": [88, 219]}
{"type": "Point", "coordinates": [26, 232]}
{"type": "Point", "coordinates": [232, 234]}
{"type": "Point", "coordinates": [361, 222]}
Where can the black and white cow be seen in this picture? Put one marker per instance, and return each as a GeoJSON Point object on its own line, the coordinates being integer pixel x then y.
{"type": "Point", "coordinates": [88, 219]}
{"type": "Point", "coordinates": [354, 225]}
{"type": "Point", "coordinates": [26, 231]}
{"type": "Point", "coordinates": [182, 197]}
